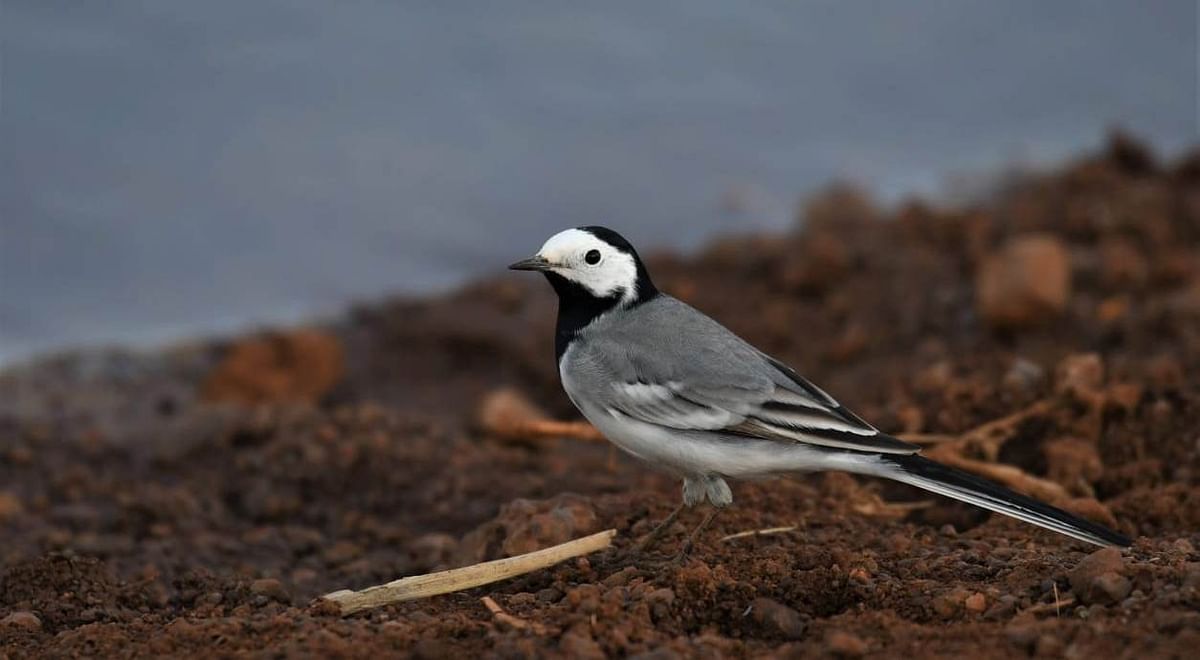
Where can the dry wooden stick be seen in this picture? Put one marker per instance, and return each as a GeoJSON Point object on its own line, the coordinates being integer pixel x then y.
{"type": "Point", "coordinates": [444, 582]}
{"type": "Point", "coordinates": [507, 413]}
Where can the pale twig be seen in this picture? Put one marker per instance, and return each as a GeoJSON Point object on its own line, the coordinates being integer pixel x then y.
{"type": "Point", "coordinates": [878, 508]}
{"type": "Point", "coordinates": [504, 617]}
{"type": "Point", "coordinates": [1046, 608]}
{"type": "Point", "coordinates": [507, 413]}
{"type": "Point", "coordinates": [759, 532]}
{"type": "Point", "coordinates": [458, 579]}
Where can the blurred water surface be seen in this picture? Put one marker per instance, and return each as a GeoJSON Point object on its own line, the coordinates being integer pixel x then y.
{"type": "Point", "coordinates": [174, 168]}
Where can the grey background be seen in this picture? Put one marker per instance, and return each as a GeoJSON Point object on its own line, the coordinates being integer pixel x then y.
{"type": "Point", "coordinates": [173, 168]}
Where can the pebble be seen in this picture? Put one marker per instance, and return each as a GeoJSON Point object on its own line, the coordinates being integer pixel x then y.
{"type": "Point", "coordinates": [1024, 282]}
{"type": "Point", "coordinates": [1099, 577]}
{"type": "Point", "coordinates": [778, 618]}
{"type": "Point", "coordinates": [271, 588]}
{"type": "Point", "coordinates": [26, 620]}
{"type": "Point", "coordinates": [844, 644]}
{"type": "Point", "coordinates": [976, 602]}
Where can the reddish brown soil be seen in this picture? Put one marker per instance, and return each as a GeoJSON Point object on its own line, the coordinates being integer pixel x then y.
{"type": "Point", "coordinates": [139, 517]}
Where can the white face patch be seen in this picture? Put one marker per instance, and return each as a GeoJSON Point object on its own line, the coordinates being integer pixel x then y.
{"type": "Point", "coordinates": [615, 272]}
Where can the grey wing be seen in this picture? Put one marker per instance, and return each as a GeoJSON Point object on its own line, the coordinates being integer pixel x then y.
{"type": "Point", "coordinates": [730, 389]}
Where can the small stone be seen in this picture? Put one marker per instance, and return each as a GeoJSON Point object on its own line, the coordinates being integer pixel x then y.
{"type": "Point", "coordinates": [621, 577]}
{"type": "Point", "coordinates": [271, 588]}
{"type": "Point", "coordinates": [1094, 579]}
{"type": "Point", "coordinates": [1113, 586]}
{"type": "Point", "coordinates": [26, 620]}
{"type": "Point", "coordinates": [301, 365]}
{"type": "Point", "coordinates": [778, 618]}
{"type": "Point", "coordinates": [976, 602]}
{"type": "Point", "coordinates": [844, 644]}
{"type": "Point", "coordinates": [521, 599]}
{"type": "Point", "coordinates": [950, 604]}
{"type": "Point", "coordinates": [1024, 283]}
{"type": "Point", "coordinates": [1183, 546]}
{"type": "Point", "coordinates": [549, 595]}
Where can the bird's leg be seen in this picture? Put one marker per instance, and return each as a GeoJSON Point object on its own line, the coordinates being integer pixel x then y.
{"type": "Point", "coordinates": [686, 548]}
{"type": "Point", "coordinates": [647, 541]}
{"type": "Point", "coordinates": [718, 494]}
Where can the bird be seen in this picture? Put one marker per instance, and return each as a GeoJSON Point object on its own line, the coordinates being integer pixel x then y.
{"type": "Point", "coordinates": [671, 386]}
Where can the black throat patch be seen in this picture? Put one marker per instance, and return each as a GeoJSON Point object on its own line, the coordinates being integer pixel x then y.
{"type": "Point", "coordinates": [578, 307]}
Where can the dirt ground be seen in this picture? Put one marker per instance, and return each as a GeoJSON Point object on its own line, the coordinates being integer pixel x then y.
{"type": "Point", "coordinates": [195, 501]}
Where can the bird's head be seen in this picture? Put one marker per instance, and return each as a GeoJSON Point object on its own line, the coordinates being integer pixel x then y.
{"type": "Point", "coordinates": [592, 261]}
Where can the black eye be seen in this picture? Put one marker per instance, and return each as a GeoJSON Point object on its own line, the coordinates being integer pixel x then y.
{"type": "Point", "coordinates": [592, 257]}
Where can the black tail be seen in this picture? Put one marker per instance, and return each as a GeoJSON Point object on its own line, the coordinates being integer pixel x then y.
{"type": "Point", "coordinates": [937, 478]}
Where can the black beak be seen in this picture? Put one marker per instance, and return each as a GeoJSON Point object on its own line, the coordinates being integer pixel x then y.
{"type": "Point", "coordinates": [532, 263]}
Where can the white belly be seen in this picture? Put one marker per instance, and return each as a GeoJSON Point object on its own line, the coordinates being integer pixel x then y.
{"type": "Point", "coordinates": [698, 454]}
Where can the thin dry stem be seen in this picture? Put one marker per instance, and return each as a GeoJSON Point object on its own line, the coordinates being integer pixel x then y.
{"type": "Point", "coordinates": [759, 532]}
{"type": "Point", "coordinates": [458, 579]}
{"type": "Point", "coordinates": [508, 619]}
{"type": "Point", "coordinates": [506, 413]}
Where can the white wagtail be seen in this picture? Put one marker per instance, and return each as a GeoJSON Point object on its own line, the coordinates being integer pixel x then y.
{"type": "Point", "coordinates": [678, 390]}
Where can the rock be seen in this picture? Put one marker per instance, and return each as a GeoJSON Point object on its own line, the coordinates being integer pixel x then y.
{"type": "Point", "coordinates": [25, 620]}
{"type": "Point", "coordinates": [527, 525]}
{"type": "Point", "coordinates": [301, 365]}
{"type": "Point", "coordinates": [271, 588]}
{"type": "Point", "coordinates": [1024, 283]}
{"type": "Point", "coordinates": [1095, 578]}
{"type": "Point", "coordinates": [1110, 588]}
{"type": "Point", "coordinates": [948, 605]}
{"type": "Point", "coordinates": [844, 644]}
{"type": "Point", "coordinates": [777, 618]}
{"type": "Point", "coordinates": [976, 603]}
